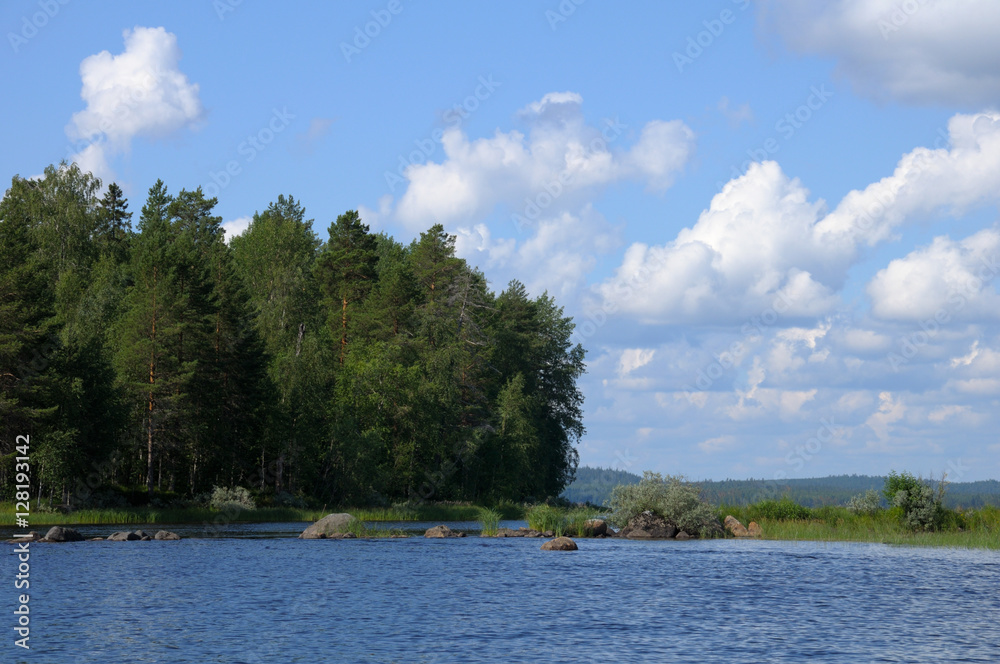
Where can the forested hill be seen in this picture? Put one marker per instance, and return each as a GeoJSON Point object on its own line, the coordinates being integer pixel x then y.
{"type": "Point", "coordinates": [356, 370]}
{"type": "Point", "coordinates": [594, 485]}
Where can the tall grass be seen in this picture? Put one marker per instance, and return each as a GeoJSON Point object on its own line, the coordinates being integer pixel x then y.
{"type": "Point", "coordinates": [970, 529]}
{"type": "Point", "coordinates": [489, 521]}
{"type": "Point", "coordinates": [544, 517]}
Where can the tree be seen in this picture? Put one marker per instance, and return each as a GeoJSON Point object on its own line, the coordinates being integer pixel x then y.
{"type": "Point", "coordinates": [346, 267]}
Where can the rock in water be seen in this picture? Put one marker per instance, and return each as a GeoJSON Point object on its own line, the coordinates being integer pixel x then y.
{"type": "Point", "coordinates": [595, 527]}
{"type": "Point", "coordinates": [682, 536]}
{"type": "Point", "coordinates": [754, 529]}
{"type": "Point", "coordinates": [166, 535]}
{"type": "Point", "coordinates": [648, 526]}
{"type": "Point", "coordinates": [60, 534]}
{"type": "Point", "coordinates": [123, 537]}
{"type": "Point", "coordinates": [330, 524]}
{"type": "Point", "coordinates": [735, 527]}
{"type": "Point", "coordinates": [442, 531]}
{"type": "Point", "coordinates": [560, 544]}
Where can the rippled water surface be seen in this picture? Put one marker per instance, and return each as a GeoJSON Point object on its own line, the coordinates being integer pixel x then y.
{"type": "Point", "coordinates": [281, 599]}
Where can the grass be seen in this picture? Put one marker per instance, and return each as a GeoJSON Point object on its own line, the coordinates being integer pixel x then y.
{"type": "Point", "coordinates": [140, 515]}
{"type": "Point", "coordinates": [980, 529]}
{"type": "Point", "coordinates": [489, 522]}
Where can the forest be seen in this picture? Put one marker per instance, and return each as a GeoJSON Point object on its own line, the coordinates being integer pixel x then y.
{"type": "Point", "coordinates": [594, 485]}
{"type": "Point", "coordinates": [159, 359]}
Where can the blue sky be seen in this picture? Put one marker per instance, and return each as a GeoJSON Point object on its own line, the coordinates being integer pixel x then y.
{"type": "Point", "coordinates": [774, 222]}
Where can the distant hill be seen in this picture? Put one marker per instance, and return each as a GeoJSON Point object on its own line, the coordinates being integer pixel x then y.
{"type": "Point", "coordinates": [594, 485]}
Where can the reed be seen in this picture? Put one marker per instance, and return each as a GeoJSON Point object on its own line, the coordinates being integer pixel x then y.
{"type": "Point", "coordinates": [489, 522]}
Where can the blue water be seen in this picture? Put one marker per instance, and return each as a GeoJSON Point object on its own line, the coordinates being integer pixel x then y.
{"type": "Point", "coordinates": [276, 598]}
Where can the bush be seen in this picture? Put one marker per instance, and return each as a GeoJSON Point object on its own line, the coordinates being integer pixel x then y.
{"type": "Point", "coordinates": [231, 500]}
{"type": "Point", "coordinates": [785, 509]}
{"type": "Point", "coordinates": [544, 517]}
{"type": "Point", "coordinates": [670, 497]}
{"type": "Point", "coordinates": [866, 503]}
{"type": "Point", "coordinates": [921, 508]}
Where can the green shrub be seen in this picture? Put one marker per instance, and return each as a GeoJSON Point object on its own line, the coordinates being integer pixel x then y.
{"type": "Point", "coordinates": [489, 521]}
{"type": "Point", "coordinates": [868, 502]}
{"type": "Point", "coordinates": [785, 509]}
{"type": "Point", "coordinates": [921, 507]}
{"type": "Point", "coordinates": [231, 500]}
{"type": "Point", "coordinates": [544, 517]}
{"type": "Point", "coordinates": [670, 497]}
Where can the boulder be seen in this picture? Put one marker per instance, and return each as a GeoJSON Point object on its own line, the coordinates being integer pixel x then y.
{"type": "Point", "coordinates": [754, 529]}
{"type": "Point", "coordinates": [61, 534]}
{"type": "Point", "coordinates": [442, 531]}
{"type": "Point", "coordinates": [595, 527]}
{"type": "Point", "coordinates": [123, 537]}
{"type": "Point", "coordinates": [96, 539]}
{"type": "Point", "coordinates": [560, 544]}
{"type": "Point", "coordinates": [648, 526]}
{"type": "Point", "coordinates": [330, 524]}
{"type": "Point", "coordinates": [142, 534]}
{"type": "Point", "coordinates": [509, 532]}
{"type": "Point", "coordinates": [682, 536]}
{"type": "Point", "coordinates": [166, 535]}
{"type": "Point", "coordinates": [735, 527]}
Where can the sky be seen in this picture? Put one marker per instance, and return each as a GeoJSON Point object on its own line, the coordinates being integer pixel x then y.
{"type": "Point", "coordinates": [774, 222]}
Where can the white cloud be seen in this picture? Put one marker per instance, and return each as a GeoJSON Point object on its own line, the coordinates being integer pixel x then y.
{"type": "Point", "coordinates": [634, 358]}
{"type": "Point", "coordinates": [718, 444]}
{"type": "Point", "coordinates": [889, 412]}
{"type": "Point", "coordinates": [140, 92]}
{"type": "Point", "coordinates": [560, 165]}
{"type": "Point", "coordinates": [235, 227]}
{"type": "Point", "coordinates": [949, 279]}
{"type": "Point", "coordinates": [922, 51]}
{"type": "Point", "coordinates": [735, 116]}
{"type": "Point", "coordinates": [762, 244]}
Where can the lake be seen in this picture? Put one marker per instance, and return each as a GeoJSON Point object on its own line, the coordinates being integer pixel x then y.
{"type": "Point", "coordinates": [255, 593]}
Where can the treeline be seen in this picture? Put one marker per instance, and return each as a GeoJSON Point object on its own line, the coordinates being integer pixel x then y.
{"type": "Point", "coordinates": [356, 370]}
{"type": "Point", "coordinates": [594, 485]}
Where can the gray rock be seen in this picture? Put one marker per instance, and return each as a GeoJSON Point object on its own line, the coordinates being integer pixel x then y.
{"type": "Point", "coordinates": [166, 535]}
{"type": "Point", "coordinates": [648, 526]}
{"type": "Point", "coordinates": [142, 533]}
{"type": "Point", "coordinates": [595, 527]}
{"type": "Point", "coordinates": [123, 537]}
{"type": "Point", "coordinates": [682, 536]}
{"type": "Point", "coordinates": [61, 534]}
{"type": "Point", "coordinates": [442, 531]}
{"type": "Point", "coordinates": [560, 544]}
{"type": "Point", "coordinates": [330, 524]}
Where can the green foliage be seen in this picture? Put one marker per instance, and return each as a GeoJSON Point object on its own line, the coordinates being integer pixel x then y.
{"type": "Point", "coordinates": [921, 508]}
{"type": "Point", "coordinates": [544, 517]}
{"type": "Point", "coordinates": [489, 521]}
{"type": "Point", "coordinates": [670, 497]}
{"type": "Point", "coordinates": [868, 502]}
{"type": "Point", "coordinates": [231, 499]}
{"type": "Point", "coordinates": [781, 510]}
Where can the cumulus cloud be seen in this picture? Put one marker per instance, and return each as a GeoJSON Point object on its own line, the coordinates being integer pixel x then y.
{"type": "Point", "coordinates": [923, 52]}
{"type": "Point", "coordinates": [559, 165]}
{"type": "Point", "coordinates": [762, 244]}
{"type": "Point", "coordinates": [634, 358]}
{"type": "Point", "coordinates": [949, 279]}
{"type": "Point", "coordinates": [235, 227]}
{"type": "Point", "coordinates": [139, 92]}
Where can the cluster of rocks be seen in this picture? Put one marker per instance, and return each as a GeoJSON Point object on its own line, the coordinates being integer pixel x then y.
{"type": "Point", "coordinates": [63, 534]}
{"type": "Point", "coordinates": [438, 532]}
{"type": "Point", "coordinates": [737, 529]}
